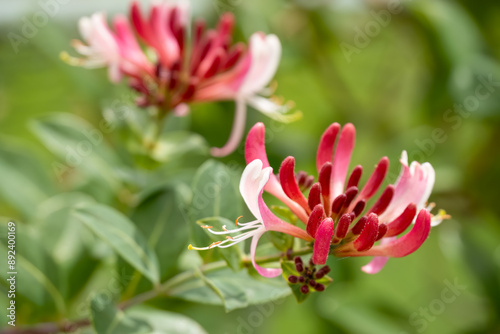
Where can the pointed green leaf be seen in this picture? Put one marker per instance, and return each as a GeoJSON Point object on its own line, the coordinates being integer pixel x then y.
{"type": "Point", "coordinates": [23, 182]}
{"type": "Point", "coordinates": [164, 322]}
{"type": "Point", "coordinates": [106, 319]}
{"type": "Point", "coordinates": [37, 277]}
{"type": "Point", "coordinates": [122, 235]}
{"type": "Point", "coordinates": [237, 290]}
{"type": "Point", "coordinates": [215, 194]}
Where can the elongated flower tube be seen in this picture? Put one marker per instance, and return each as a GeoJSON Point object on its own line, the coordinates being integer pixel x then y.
{"type": "Point", "coordinates": [171, 65]}
{"type": "Point", "coordinates": [254, 179]}
{"type": "Point", "coordinates": [335, 210]}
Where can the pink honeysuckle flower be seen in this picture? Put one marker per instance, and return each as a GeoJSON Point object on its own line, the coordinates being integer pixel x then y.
{"type": "Point", "coordinates": [172, 69]}
{"type": "Point", "coordinates": [254, 179]}
{"type": "Point", "coordinates": [334, 210]}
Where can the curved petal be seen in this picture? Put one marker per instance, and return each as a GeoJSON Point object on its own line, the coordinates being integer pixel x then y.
{"type": "Point", "coordinates": [413, 185]}
{"type": "Point", "coordinates": [266, 272]}
{"type": "Point", "coordinates": [326, 144]}
{"type": "Point", "coordinates": [273, 223]}
{"type": "Point", "coordinates": [236, 132]}
{"type": "Point", "coordinates": [255, 149]}
{"type": "Point", "coordinates": [252, 182]}
{"type": "Point", "coordinates": [405, 245]}
{"type": "Point", "coordinates": [378, 262]}
{"type": "Point", "coordinates": [341, 159]}
{"type": "Point", "coordinates": [375, 265]}
{"type": "Point", "coordinates": [265, 54]}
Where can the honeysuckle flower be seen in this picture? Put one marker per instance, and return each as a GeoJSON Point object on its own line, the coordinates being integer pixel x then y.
{"type": "Point", "coordinates": [170, 69]}
{"type": "Point", "coordinates": [253, 181]}
{"type": "Point", "coordinates": [334, 210]}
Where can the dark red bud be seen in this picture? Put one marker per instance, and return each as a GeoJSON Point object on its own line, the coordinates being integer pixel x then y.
{"type": "Point", "coordinates": [384, 200]}
{"type": "Point", "coordinates": [359, 207]}
{"type": "Point", "coordinates": [314, 197]}
{"type": "Point", "coordinates": [359, 226]}
{"type": "Point", "coordinates": [338, 203]}
{"type": "Point", "coordinates": [315, 218]}
{"type": "Point", "coordinates": [355, 176]}
{"type": "Point", "coordinates": [322, 272]}
{"type": "Point", "coordinates": [304, 289]}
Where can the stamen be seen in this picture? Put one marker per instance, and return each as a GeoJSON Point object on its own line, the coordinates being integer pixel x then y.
{"type": "Point", "coordinates": [229, 237]}
{"type": "Point", "coordinates": [206, 226]}
{"type": "Point", "coordinates": [236, 221]}
{"type": "Point", "coordinates": [224, 228]}
{"type": "Point", "coordinates": [213, 244]}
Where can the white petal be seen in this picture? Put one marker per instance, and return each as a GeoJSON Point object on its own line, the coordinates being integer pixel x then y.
{"type": "Point", "coordinates": [253, 180]}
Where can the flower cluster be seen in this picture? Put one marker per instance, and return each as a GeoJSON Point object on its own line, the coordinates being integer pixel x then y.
{"type": "Point", "coordinates": [169, 68]}
{"type": "Point", "coordinates": [335, 212]}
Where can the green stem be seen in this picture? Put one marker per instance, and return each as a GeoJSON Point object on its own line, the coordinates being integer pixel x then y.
{"type": "Point", "coordinates": [163, 289]}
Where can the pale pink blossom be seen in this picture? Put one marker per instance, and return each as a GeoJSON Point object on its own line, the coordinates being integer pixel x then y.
{"type": "Point", "coordinates": [173, 68]}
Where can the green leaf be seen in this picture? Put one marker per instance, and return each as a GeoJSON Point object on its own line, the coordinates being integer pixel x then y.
{"type": "Point", "coordinates": [23, 182]}
{"type": "Point", "coordinates": [163, 322]}
{"type": "Point", "coordinates": [37, 275]}
{"type": "Point", "coordinates": [232, 255]}
{"type": "Point", "coordinates": [79, 146]}
{"type": "Point", "coordinates": [122, 235]}
{"type": "Point", "coordinates": [106, 319]}
{"type": "Point", "coordinates": [70, 243]}
{"type": "Point", "coordinates": [357, 318]}
{"type": "Point", "coordinates": [233, 290]}
{"type": "Point", "coordinates": [174, 146]}
{"type": "Point", "coordinates": [215, 194]}
{"type": "Point", "coordinates": [161, 216]}
{"type": "Point", "coordinates": [281, 241]}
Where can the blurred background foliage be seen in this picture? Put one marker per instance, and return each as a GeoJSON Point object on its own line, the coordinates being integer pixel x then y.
{"type": "Point", "coordinates": [399, 85]}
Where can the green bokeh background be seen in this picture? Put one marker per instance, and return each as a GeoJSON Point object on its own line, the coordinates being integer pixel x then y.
{"type": "Point", "coordinates": [397, 87]}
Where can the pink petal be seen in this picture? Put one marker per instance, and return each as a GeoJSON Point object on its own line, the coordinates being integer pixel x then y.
{"type": "Point", "coordinates": [266, 272]}
{"type": "Point", "coordinates": [236, 132]}
{"type": "Point", "coordinates": [374, 181]}
{"type": "Point", "coordinates": [375, 265]}
{"type": "Point", "coordinates": [378, 262]}
{"type": "Point", "coordinates": [289, 183]}
{"type": "Point", "coordinates": [414, 185]}
{"type": "Point", "coordinates": [405, 245]}
{"type": "Point", "coordinates": [273, 223]}
{"type": "Point", "coordinates": [265, 54]}
{"type": "Point", "coordinates": [252, 182]}
{"type": "Point", "coordinates": [341, 159]}
{"type": "Point", "coordinates": [326, 144]}
{"type": "Point", "coordinates": [401, 223]}
{"type": "Point", "coordinates": [255, 149]}
{"type": "Point", "coordinates": [322, 241]}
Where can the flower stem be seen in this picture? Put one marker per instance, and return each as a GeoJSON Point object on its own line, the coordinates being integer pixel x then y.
{"type": "Point", "coordinates": [163, 289]}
